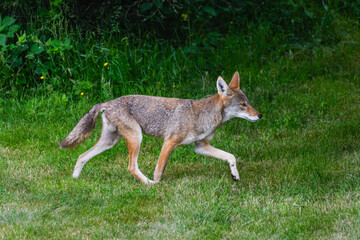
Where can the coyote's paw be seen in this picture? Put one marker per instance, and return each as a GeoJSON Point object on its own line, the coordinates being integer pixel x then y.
{"type": "Point", "coordinates": [76, 173]}
{"type": "Point", "coordinates": [235, 178]}
{"type": "Point", "coordinates": [151, 182]}
{"type": "Point", "coordinates": [234, 172]}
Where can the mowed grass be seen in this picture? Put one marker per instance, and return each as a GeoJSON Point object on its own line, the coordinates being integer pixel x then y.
{"type": "Point", "coordinates": [299, 168]}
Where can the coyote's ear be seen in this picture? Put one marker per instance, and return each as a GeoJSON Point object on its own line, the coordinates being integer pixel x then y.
{"type": "Point", "coordinates": [221, 86]}
{"type": "Point", "coordinates": [235, 81]}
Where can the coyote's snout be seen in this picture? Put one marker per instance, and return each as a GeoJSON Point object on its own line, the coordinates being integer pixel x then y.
{"type": "Point", "coordinates": [177, 121]}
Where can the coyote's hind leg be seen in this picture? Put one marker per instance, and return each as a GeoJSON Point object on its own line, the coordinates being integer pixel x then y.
{"type": "Point", "coordinates": [133, 137]}
{"type": "Point", "coordinates": [109, 137]}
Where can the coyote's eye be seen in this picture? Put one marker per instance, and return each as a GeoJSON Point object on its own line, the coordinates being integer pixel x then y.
{"type": "Point", "coordinates": [243, 104]}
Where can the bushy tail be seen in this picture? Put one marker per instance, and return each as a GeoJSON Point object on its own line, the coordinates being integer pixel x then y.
{"type": "Point", "coordinates": [83, 128]}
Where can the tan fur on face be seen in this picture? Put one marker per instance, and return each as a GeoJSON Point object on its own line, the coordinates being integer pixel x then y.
{"type": "Point", "coordinates": [251, 111]}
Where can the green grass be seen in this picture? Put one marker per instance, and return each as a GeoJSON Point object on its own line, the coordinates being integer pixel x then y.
{"type": "Point", "coordinates": [300, 168]}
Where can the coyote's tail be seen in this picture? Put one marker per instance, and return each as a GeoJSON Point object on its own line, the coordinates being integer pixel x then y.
{"type": "Point", "coordinates": [83, 128]}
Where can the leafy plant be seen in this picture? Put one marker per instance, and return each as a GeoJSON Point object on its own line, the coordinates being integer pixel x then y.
{"type": "Point", "coordinates": [7, 29]}
{"type": "Point", "coordinates": [27, 59]}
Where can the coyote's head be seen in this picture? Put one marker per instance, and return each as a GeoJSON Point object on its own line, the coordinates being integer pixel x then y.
{"type": "Point", "coordinates": [234, 100]}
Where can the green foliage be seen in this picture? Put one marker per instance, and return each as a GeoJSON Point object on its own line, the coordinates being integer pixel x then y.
{"type": "Point", "coordinates": [27, 60]}
{"type": "Point", "coordinates": [63, 45]}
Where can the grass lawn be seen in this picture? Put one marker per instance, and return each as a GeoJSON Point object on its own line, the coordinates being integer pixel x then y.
{"type": "Point", "coordinates": [300, 167]}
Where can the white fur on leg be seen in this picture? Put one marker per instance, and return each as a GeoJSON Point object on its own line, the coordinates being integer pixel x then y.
{"type": "Point", "coordinates": [207, 150]}
{"type": "Point", "coordinates": [234, 172]}
{"type": "Point", "coordinates": [77, 172]}
{"type": "Point", "coordinates": [151, 182]}
{"type": "Point", "coordinates": [108, 139]}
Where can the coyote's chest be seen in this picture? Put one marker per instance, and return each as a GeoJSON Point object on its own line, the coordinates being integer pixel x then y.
{"type": "Point", "coordinates": [193, 137]}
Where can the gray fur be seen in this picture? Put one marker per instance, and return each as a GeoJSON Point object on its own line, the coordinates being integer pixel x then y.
{"type": "Point", "coordinates": [165, 117]}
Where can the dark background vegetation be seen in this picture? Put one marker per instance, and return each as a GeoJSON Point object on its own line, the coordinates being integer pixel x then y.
{"type": "Point", "coordinates": [61, 46]}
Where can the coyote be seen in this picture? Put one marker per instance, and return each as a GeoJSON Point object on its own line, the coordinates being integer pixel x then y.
{"type": "Point", "coordinates": [177, 121]}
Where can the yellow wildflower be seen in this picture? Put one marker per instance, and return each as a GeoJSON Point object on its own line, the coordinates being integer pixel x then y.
{"type": "Point", "coordinates": [82, 94]}
{"type": "Point", "coordinates": [184, 16]}
{"type": "Point", "coordinates": [105, 64]}
{"type": "Point", "coordinates": [108, 68]}
{"type": "Point", "coordinates": [231, 22]}
{"type": "Point", "coordinates": [42, 77]}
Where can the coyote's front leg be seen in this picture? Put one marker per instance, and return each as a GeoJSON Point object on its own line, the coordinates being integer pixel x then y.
{"type": "Point", "coordinates": [204, 148]}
